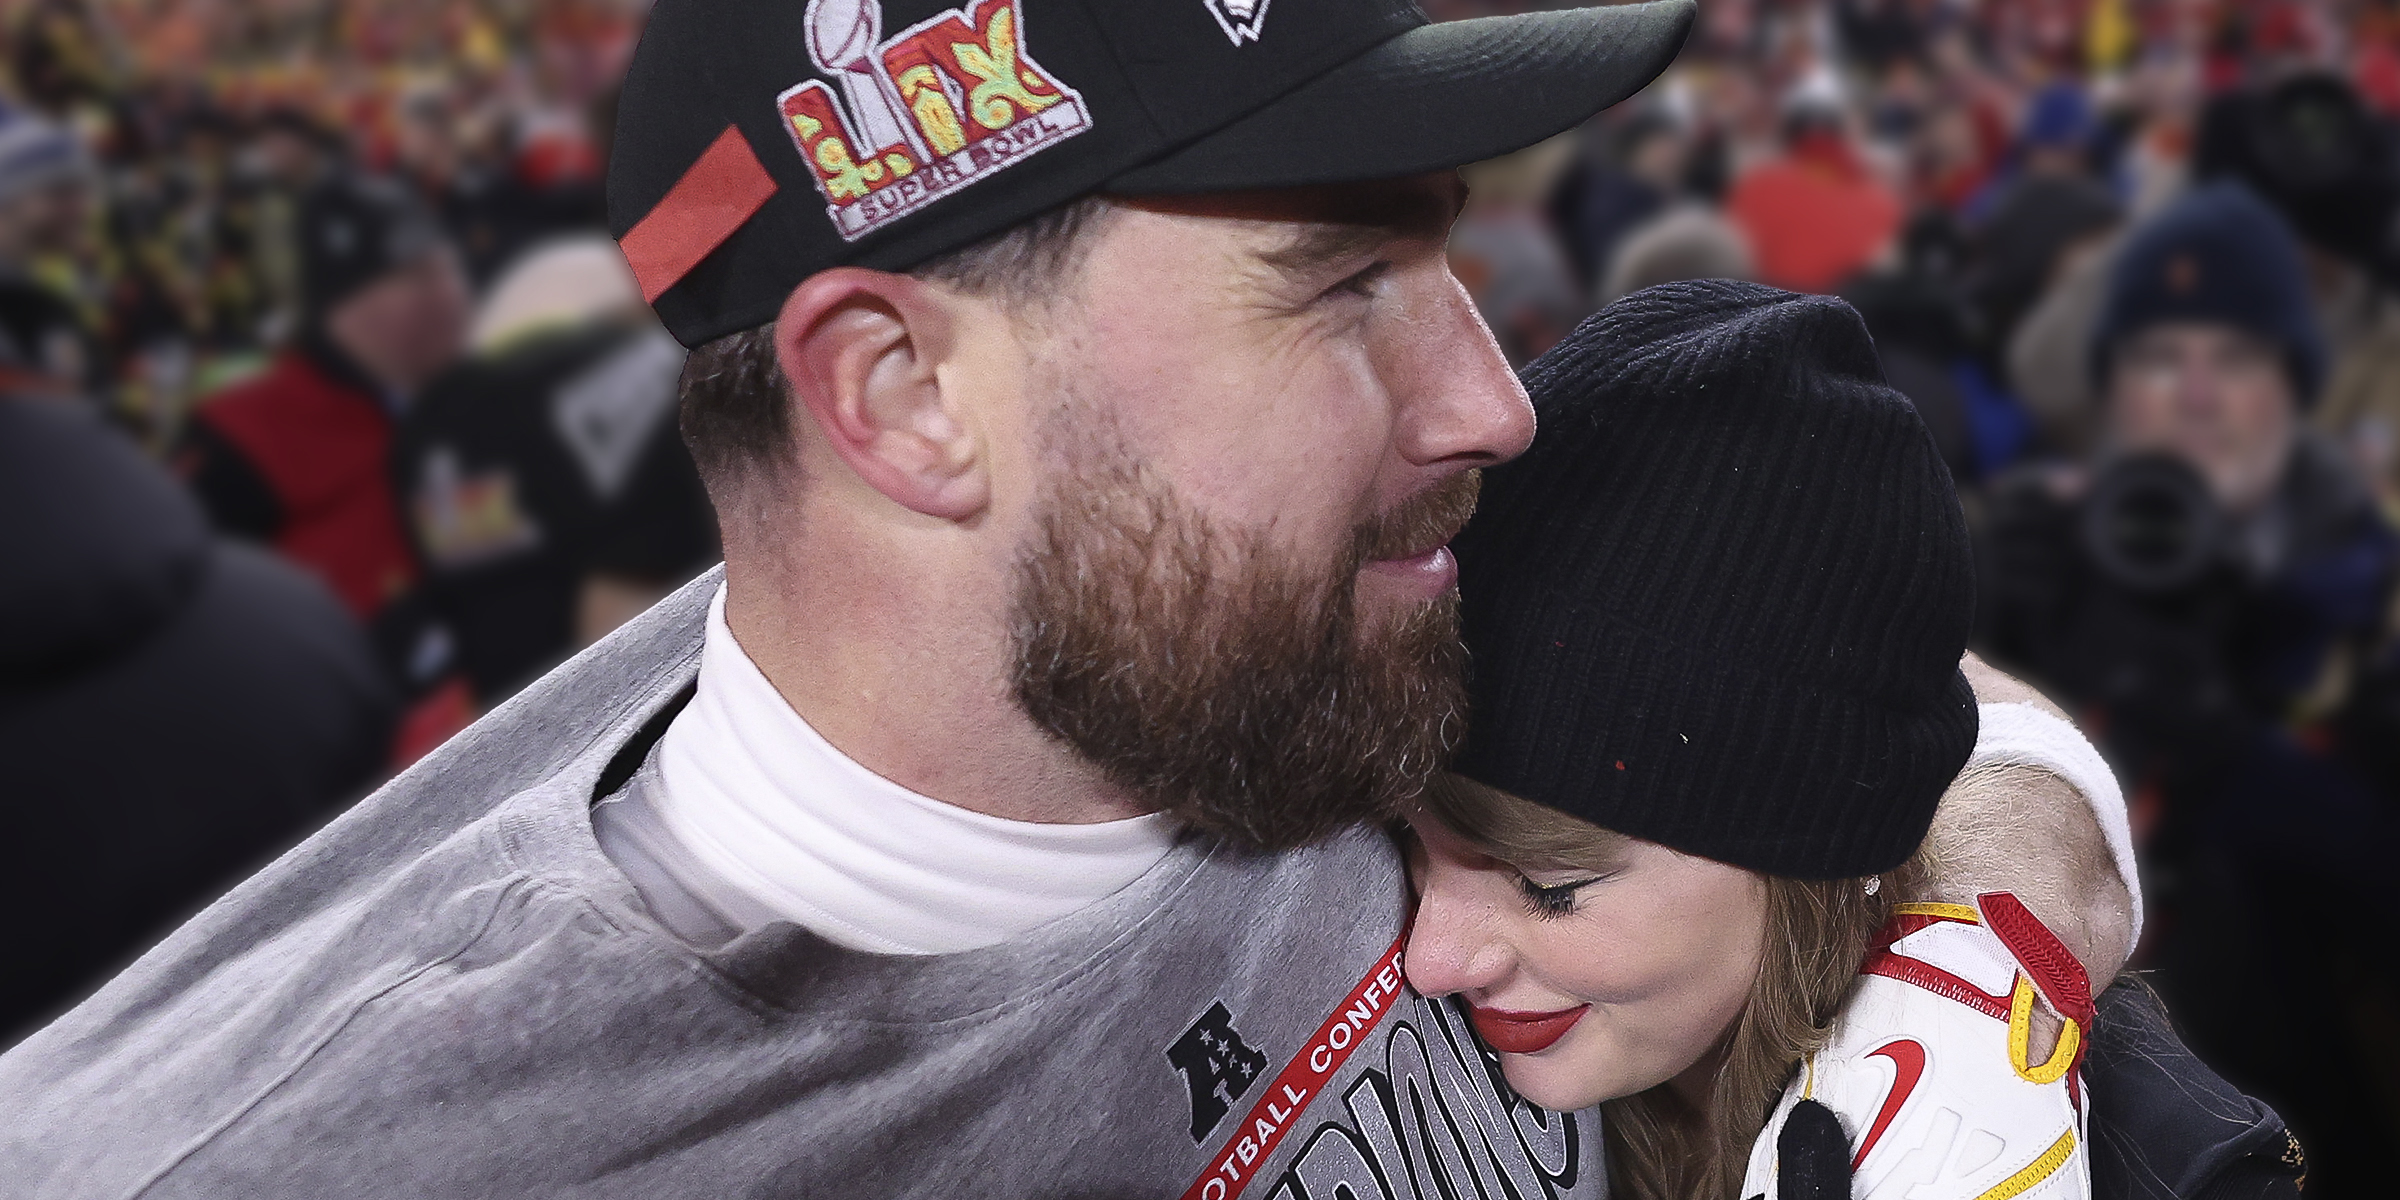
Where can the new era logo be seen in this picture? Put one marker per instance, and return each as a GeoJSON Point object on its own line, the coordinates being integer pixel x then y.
{"type": "Point", "coordinates": [945, 103]}
{"type": "Point", "coordinates": [1240, 19]}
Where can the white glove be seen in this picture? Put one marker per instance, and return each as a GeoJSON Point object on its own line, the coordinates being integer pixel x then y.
{"type": "Point", "coordinates": [1928, 1069]}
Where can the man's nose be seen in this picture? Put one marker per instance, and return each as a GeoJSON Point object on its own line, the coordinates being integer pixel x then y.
{"type": "Point", "coordinates": [2198, 389]}
{"type": "Point", "coordinates": [1450, 945]}
{"type": "Point", "coordinates": [1464, 404]}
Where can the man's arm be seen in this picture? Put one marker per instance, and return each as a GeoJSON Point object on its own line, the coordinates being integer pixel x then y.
{"type": "Point", "coordinates": [2156, 1112]}
{"type": "Point", "coordinates": [2022, 828]}
{"type": "Point", "coordinates": [2025, 829]}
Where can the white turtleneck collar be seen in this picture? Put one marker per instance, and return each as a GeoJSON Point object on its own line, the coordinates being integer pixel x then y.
{"type": "Point", "coordinates": [759, 819]}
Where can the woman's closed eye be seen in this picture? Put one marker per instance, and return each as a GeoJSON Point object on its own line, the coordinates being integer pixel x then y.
{"type": "Point", "coordinates": [1553, 899]}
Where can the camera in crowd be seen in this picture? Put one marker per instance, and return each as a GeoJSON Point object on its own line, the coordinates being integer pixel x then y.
{"type": "Point", "coordinates": [2150, 528]}
{"type": "Point", "coordinates": [2127, 595]}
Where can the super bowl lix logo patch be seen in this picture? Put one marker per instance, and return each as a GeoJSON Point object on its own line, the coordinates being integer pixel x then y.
{"type": "Point", "coordinates": [922, 114]}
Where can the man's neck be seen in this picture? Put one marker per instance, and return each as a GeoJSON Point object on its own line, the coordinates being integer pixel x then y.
{"type": "Point", "coordinates": [906, 673]}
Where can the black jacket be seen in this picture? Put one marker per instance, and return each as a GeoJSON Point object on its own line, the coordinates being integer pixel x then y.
{"type": "Point", "coordinates": [173, 707]}
{"type": "Point", "coordinates": [2166, 1127]}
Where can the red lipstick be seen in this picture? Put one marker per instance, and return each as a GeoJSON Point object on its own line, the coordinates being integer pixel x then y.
{"type": "Point", "coordinates": [1523, 1032]}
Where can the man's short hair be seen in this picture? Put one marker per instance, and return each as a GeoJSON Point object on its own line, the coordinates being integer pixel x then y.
{"type": "Point", "coordinates": [735, 418]}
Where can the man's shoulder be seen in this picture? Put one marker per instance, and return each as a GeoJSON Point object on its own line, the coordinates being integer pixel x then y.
{"type": "Point", "coordinates": [565, 727]}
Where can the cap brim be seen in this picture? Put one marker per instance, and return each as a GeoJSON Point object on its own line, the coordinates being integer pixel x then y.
{"type": "Point", "coordinates": [1436, 97]}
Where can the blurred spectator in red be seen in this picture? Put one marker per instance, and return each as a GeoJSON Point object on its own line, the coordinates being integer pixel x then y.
{"type": "Point", "coordinates": [1950, 158]}
{"type": "Point", "coordinates": [295, 458]}
{"type": "Point", "coordinates": [1816, 215]}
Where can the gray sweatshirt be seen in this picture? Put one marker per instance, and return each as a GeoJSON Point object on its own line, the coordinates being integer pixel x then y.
{"type": "Point", "coordinates": [451, 991]}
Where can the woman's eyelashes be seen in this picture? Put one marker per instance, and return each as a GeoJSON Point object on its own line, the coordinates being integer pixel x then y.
{"type": "Point", "coordinates": [1552, 899]}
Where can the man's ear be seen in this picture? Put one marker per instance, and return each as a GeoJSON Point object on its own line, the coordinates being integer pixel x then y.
{"type": "Point", "coordinates": [860, 348]}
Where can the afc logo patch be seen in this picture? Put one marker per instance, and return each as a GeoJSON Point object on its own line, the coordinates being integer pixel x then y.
{"type": "Point", "coordinates": [1217, 1065]}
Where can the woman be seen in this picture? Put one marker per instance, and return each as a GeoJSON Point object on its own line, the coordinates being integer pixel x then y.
{"type": "Point", "coordinates": [1717, 616]}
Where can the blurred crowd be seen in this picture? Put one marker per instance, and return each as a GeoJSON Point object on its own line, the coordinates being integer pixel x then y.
{"type": "Point", "coordinates": [320, 288]}
{"type": "Point", "coordinates": [329, 417]}
{"type": "Point", "coordinates": [2133, 260]}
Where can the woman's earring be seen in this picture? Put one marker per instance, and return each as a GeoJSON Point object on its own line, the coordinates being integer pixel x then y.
{"type": "Point", "coordinates": [1874, 884]}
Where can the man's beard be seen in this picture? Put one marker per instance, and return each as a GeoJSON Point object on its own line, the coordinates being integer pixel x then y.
{"type": "Point", "coordinates": [1216, 679]}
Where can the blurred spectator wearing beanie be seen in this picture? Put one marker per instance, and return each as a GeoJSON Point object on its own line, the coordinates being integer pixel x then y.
{"type": "Point", "coordinates": [174, 707]}
{"type": "Point", "coordinates": [546, 492]}
{"type": "Point", "coordinates": [296, 457]}
{"type": "Point", "coordinates": [45, 208]}
{"type": "Point", "coordinates": [2215, 591]}
{"type": "Point", "coordinates": [2207, 347]}
{"type": "Point", "coordinates": [2049, 207]}
{"type": "Point", "coordinates": [1815, 216]}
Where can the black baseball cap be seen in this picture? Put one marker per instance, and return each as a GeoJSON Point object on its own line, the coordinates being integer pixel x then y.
{"type": "Point", "coordinates": [761, 141]}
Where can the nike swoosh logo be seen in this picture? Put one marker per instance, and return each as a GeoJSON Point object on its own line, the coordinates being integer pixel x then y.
{"type": "Point", "coordinates": [1908, 1057]}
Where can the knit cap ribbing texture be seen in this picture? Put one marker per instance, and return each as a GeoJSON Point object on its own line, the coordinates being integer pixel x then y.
{"type": "Point", "coordinates": [1720, 603]}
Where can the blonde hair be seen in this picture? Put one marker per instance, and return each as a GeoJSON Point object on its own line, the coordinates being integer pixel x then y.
{"type": "Point", "coordinates": [1817, 932]}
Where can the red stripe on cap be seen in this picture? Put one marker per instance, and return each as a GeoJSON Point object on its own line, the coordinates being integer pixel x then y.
{"type": "Point", "coordinates": [716, 194]}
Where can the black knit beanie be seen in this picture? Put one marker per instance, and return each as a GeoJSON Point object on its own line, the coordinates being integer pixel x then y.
{"type": "Point", "coordinates": [2217, 254]}
{"type": "Point", "coordinates": [1720, 604]}
{"type": "Point", "coordinates": [354, 230]}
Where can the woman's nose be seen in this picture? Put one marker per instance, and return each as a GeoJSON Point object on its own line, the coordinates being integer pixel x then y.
{"type": "Point", "coordinates": [1452, 947]}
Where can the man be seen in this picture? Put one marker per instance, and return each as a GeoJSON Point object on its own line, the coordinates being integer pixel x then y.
{"type": "Point", "coordinates": [1815, 215]}
{"type": "Point", "coordinates": [2216, 591]}
{"type": "Point", "coordinates": [545, 492]}
{"type": "Point", "coordinates": [2049, 212]}
{"type": "Point", "coordinates": [989, 825]}
{"type": "Point", "coordinates": [295, 457]}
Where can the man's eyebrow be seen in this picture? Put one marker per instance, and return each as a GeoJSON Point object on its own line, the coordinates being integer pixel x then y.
{"type": "Point", "coordinates": [1362, 219]}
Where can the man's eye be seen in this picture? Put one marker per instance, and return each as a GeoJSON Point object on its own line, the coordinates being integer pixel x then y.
{"type": "Point", "coordinates": [1361, 283]}
{"type": "Point", "coordinates": [1551, 900]}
